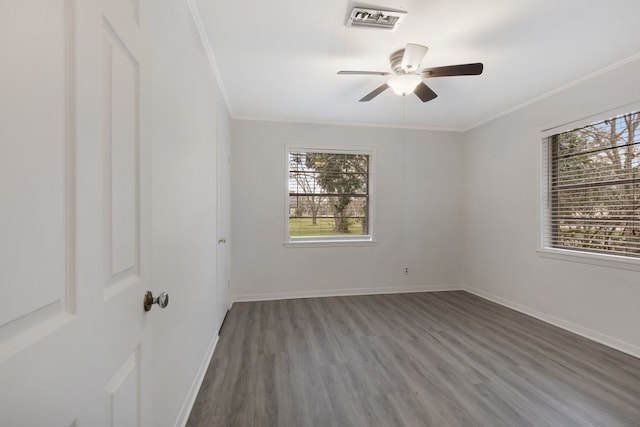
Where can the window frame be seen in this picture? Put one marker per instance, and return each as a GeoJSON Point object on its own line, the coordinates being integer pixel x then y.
{"type": "Point", "coordinates": [545, 250]}
{"type": "Point", "coordinates": [331, 241]}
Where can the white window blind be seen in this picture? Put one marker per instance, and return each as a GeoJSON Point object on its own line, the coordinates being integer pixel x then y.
{"type": "Point", "coordinates": [328, 195]}
{"type": "Point", "coordinates": [592, 188]}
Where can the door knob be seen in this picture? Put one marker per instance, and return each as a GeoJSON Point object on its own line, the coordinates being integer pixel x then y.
{"type": "Point", "coordinates": [162, 300]}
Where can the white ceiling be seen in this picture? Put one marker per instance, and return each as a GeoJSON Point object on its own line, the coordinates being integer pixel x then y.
{"type": "Point", "coordinates": [278, 59]}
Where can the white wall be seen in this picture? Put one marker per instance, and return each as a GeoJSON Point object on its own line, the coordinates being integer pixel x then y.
{"type": "Point", "coordinates": [502, 219]}
{"type": "Point", "coordinates": [418, 214]}
{"type": "Point", "coordinates": [187, 107]}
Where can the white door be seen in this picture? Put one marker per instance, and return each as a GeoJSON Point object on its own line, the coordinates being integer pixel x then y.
{"type": "Point", "coordinates": [224, 222]}
{"type": "Point", "coordinates": [74, 212]}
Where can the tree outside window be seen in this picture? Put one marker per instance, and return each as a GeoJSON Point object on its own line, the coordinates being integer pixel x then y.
{"type": "Point", "coordinates": [594, 187]}
{"type": "Point", "coordinates": [328, 193]}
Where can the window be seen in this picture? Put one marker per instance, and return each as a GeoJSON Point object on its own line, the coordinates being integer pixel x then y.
{"type": "Point", "coordinates": [593, 188]}
{"type": "Point", "coordinates": [329, 195]}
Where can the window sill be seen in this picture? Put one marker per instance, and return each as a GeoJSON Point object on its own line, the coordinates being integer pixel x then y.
{"type": "Point", "coordinates": [331, 243]}
{"type": "Point", "coordinates": [611, 261]}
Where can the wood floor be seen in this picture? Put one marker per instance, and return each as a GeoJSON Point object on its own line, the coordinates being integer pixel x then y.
{"type": "Point", "coordinates": [426, 359]}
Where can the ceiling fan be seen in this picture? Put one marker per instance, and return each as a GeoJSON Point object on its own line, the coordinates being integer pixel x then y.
{"type": "Point", "coordinates": [407, 78]}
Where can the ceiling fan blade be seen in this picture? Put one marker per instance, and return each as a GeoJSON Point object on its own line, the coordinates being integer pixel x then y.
{"type": "Point", "coordinates": [364, 73]}
{"type": "Point", "coordinates": [424, 92]}
{"type": "Point", "coordinates": [454, 70]}
{"type": "Point", "coordinates": [413, 55]}
{"type": "Point", "coordinates": [377, 91]}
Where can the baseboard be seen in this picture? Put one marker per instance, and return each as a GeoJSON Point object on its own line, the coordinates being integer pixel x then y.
{"type": "Point", "coordinates": [187, 406]}
{"type": "Point", "coordinates": [343, 292]}
{"type": "Point", "coordinates": [612, 342]}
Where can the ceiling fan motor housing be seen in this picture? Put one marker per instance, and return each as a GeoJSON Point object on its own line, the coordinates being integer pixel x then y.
{"type": "Point", "coordinates": [396, 61]}
{"type": "Point", "coordinates": [408, 60]}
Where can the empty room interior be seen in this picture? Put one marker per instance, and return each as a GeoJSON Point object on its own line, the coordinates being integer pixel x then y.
{"type": "Point", "coordinates": [294, 213]}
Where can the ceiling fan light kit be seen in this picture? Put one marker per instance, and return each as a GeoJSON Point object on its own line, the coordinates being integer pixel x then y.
{"type": "Point", "coordinates": [404, 84]}
{"type": "Point", "coordinates": [407, 78]}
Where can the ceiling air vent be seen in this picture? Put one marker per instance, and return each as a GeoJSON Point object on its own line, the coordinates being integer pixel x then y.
{"type": "Point", "coordinates": [375, 18]}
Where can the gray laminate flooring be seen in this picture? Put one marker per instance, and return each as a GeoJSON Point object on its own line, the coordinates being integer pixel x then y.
{"type": "Point", "coordinates": [424, 359]}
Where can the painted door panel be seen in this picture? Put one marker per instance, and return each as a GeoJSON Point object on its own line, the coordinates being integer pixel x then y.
{"type": "Point", "coordinates": [74, 165]}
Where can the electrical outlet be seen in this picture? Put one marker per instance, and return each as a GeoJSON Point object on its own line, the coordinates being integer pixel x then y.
{"type": "Point", "coordinates": [406, 271]}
